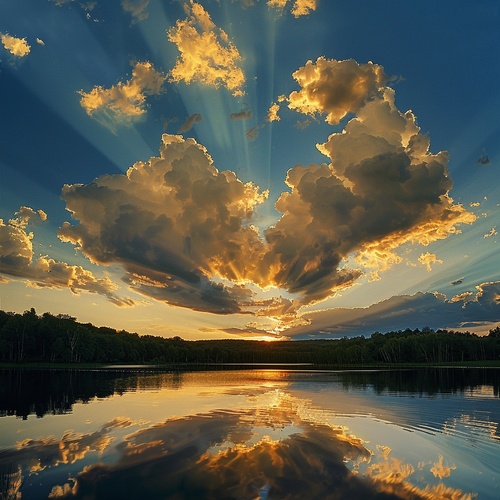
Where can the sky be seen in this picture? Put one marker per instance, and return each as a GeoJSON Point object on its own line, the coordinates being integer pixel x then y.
{"type": "Point", "coordinates": [280, 169]}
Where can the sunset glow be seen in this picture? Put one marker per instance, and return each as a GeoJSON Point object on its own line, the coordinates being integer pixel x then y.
{"type": "Point", "coordinates": [254, 169]}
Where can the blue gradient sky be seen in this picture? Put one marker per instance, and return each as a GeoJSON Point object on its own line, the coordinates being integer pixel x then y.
{"type": "Point", "coordinates": [129, 260]}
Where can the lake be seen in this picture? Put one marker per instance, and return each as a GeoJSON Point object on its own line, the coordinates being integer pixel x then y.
{"type": "Point", "coordinates": [250, 434]}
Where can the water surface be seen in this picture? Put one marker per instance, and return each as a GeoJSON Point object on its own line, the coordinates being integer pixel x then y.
{"type": "Point", "coordinates": [250, 434]}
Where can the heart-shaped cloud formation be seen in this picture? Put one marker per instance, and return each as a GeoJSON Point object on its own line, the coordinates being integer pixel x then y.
{"type": "Point", "coordinates": [182, 230]}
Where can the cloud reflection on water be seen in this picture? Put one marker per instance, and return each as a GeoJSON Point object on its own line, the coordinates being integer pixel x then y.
{"type": "Point", "coordinates": [265, 452]}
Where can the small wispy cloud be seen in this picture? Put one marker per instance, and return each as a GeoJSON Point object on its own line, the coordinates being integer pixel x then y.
{"type": "Point", "coordinates": [190, 121]}
{"type": "Point", "coordinates": [241, 115]}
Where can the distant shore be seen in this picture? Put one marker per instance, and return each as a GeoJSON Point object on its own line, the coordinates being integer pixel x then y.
{"type": "Point", "coordinates": [244, 366]}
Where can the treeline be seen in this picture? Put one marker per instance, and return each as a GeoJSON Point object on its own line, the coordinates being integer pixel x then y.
{"type": "Point", "coordinates": [47, 338]}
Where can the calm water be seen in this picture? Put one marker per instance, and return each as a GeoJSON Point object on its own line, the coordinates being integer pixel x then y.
{"type": "Point", "coordinates": [252, 434]}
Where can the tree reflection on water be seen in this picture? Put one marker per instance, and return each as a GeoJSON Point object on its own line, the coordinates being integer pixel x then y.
{"type": "Point", "coordinates": [268, 438]}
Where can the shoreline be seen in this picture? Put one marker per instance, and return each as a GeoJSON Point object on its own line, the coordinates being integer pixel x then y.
{"type": "Point", "coordinates": [141, 367]}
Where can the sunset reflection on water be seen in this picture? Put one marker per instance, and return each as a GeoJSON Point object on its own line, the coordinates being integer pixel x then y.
{"type": "Point", "coordinates": [259, 434]}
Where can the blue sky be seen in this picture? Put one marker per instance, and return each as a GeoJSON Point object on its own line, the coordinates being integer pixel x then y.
{"type": "Point", "coordinates": [328, 168]}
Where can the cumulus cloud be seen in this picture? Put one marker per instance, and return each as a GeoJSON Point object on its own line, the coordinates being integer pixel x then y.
{"type": "Point", "coordinates": [188, 124]}
{"type": "Point", "coordinates": [174, 223]}
{"type": "Point", "coordinates": [427, 259]}
{"type": "Point", "coordinates": [383, 187]}
{"type": "Point", "coordinates": [40, 41]}
{"type": "Point", "coordinates": [182, 230]}
{"type": "Point", "coordinates": [17, 260]}
{"type": "Point", "coordinates": [207, 55]}
{"type": "Point", "coordinates": [136, 8]}
{"type": "Point", "coordinates": [16, 46]}
{"type": "Point", "coordinates": [124, 102]}
{"type": "Point", "coordinates": [336, 88]}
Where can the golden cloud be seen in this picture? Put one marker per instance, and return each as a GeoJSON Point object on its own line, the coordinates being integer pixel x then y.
{"type": "Point", "coordinates": [335, 87]}
{"type": "Point", "coordinates": [427, 259]}
{"type": "Point", "coordinates": [175, 221]}
{"type": "Point", "coordinates": [303, 7]}
{"type": "Point", "coordinates": [182, 230]}
{"type": "Point", "coordinates": [272, 113]}
{"type": "Point", "coordinates": [299, 7]}
{"type": "Point", "coordinates": [16, 46]}
{"type": "Point", "coordinates": [17, 260]}
{"type": "Point", "coordinates": [126, 101]}
{"type": "Point", "coordinates": [206, 53]}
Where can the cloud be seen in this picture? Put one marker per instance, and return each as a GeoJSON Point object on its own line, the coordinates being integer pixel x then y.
{"type": "Point", "coordinates": [136, 8]}
{"type": "Point", "coordinates": [382, 189]}
{"type": "Point", "coordinates": [252, 133]}
{"type": "Point", "coordinates": [427, 259]}
{"type": "Point", "coordinates": [492, 232]}
{"type": "Point", "coordinates": [173, 223]}
{"type": "Point", "coordinates": [303, 7]}
{"type": "Point", "coordinates": [462, 297]}
{"type": "Point", "coordinates": [457, 281]}
{"type": "Point", "coordinates": [188, 124]}
{"type": "Point", "coordinates": [16, 46]}
{"type": "Point", "coordinates": [483, 160]}
{"type": "Point", "coordinates": [207, 55]}
{"type": "Point", "coordinates": [407, 311]}
{"type": "Point", "coordinates": [40, 42]}
{"type": "Point", "coordinates": [123, 103]}
{"type": "Point", "coordinates": [272, 113]}
{"type": "Point", "coordinates": [301, 125]}
{"type": "Point", "coordinates": [299, 7]}
{"type": "Point", "coordinates": [183, 231]}
{"type": "Point", "coordinates": [17, 260]}
{"type": "Point", "coordinates": [335, 87]}
{"type": "Point", "coordinates": [241, 115]}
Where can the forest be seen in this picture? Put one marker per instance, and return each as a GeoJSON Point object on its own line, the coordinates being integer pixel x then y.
{"type": "Point", "coordinates": [47, 338]}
